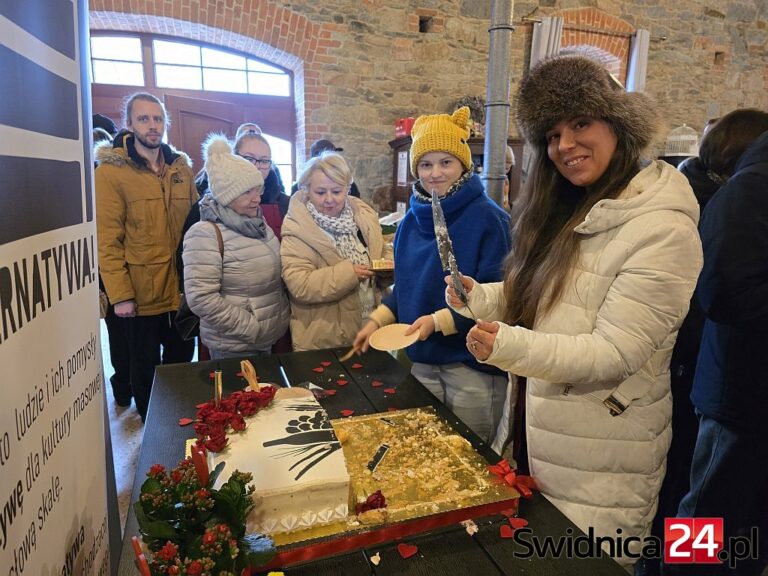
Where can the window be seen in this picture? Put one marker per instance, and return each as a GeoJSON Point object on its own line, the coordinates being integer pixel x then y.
{"type": "Point", "coordinates": [208, 88]}
{"type": "Point", "coordinates": [181, 65]}
{"type": "Point", "coordinates": [117, 60]}
{"type": "Point", "coordinates": [281, 156]}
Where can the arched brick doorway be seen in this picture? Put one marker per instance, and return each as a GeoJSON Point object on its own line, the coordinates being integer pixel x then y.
{"type": "Point", "coordinates": [595, 33]}
{"type": "Point", "coordinates": [266, 31]}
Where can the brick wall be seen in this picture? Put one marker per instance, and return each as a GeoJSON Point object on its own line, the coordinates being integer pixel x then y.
{"type": "Point", "coordinates": [360, 64]}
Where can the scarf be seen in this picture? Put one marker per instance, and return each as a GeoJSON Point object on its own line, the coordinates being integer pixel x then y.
{"type": "Point", "coordinates": [423, 195]}
{"type": "Point", "coordinates": [212, 211]}
{"type": "Point", "coordinates": [343, 231]}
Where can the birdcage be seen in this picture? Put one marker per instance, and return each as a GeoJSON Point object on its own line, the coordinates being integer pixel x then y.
{"type": "Point", "coordinates": [682, 141]}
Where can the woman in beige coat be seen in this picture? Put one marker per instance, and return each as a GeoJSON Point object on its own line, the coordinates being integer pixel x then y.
{"type": "Point", "coordinates": [329, 241]}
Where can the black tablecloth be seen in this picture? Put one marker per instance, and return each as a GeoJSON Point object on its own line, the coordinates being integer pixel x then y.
{"type": "Point", "coordinates": [178, 388]}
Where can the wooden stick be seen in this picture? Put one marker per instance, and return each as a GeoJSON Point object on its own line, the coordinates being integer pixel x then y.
{"type": "Point", "coordinates": [349, 354]}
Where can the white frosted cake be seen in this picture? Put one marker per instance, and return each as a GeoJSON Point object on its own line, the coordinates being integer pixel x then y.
{"type": "Point", "coordinates": [298, 466]}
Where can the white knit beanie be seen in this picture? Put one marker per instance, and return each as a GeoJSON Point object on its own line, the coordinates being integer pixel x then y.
{"type": "Point", "coordinates": [229, 175]}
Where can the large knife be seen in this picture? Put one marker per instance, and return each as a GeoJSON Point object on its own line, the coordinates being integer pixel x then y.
{"type": "Point", "coordinates": [445, 248]}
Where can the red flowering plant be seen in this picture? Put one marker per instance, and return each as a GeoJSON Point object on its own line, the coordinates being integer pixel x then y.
{"type": "Point", "coordinates": [193, 529]}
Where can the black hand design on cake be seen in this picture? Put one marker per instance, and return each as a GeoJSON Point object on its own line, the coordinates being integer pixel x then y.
{"type": "Point", "coordinates": [307, 434]}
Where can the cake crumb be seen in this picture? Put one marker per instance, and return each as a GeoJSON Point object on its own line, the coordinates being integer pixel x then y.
{"type": "Point", "coordinates": [470, 527]}
{"type": "Point", "coordinates": [376, 559]}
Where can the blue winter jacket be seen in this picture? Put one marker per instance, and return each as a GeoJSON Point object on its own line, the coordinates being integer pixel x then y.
{"type": "Point", "coordinates": [480, 232]}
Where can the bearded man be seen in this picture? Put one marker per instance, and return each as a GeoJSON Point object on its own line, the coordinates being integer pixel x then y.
{"type": "Point", "coordinates": [144, 190]}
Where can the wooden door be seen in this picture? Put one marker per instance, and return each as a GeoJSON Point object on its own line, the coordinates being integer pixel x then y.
{"type": "Point", "coordinates": [193, 119]}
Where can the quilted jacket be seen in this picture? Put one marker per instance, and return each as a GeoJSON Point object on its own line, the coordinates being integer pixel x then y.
{"type": "Point", "coordinates": [240, 299]}
{"type": "Point", "coordinates": [614, 326]}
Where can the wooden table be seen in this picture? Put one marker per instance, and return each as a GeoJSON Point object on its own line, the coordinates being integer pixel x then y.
{"type": "Point", "coordinates": [179, 388]}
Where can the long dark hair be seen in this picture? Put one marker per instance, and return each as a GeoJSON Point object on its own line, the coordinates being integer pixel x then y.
{"type": "Point", "coordinates": [545, 244]}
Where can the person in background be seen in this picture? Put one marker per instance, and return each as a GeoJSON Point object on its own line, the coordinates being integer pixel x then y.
{"type": "Point", "coordinates": [729, 479]}
{"type": "Point", "coordinates": [274, 190]}
{"type": "Point", "coordinates": [105, 123]}
{"type": "Point", "coordinates": [694, 170]}
{"type": "Point", "coordinates": [254, 147]}
{"type": "Point", "coordinates": [318, 147]}
{"type": "Point", "coordinates": [118, 341]}
{"type": "Point", "coordinates": [329, 241]}
{"type": "Point", "coordinates": [144, 190]}
{"type": "Point", "coordinates": [238, 296]}
{"type": "Point", "coordinates": [604, 264]}
{"type": "Point", "coordinates": [685, 424]}
{"type": "Point", "coordinates": [479, 229]}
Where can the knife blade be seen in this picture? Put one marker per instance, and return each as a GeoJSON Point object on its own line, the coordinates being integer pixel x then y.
{"type": "Point", "coordinates": [445, 249]}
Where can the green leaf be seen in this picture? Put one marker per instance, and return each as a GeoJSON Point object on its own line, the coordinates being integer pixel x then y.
{"type": "Point", "coordinates": [154, 528]}
{"type": "Point", "coordinates": [151, 486]}
{"type": "Point", "coordinates": [259, 549]}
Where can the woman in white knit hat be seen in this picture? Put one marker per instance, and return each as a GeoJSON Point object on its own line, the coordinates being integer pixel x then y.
{"type": "Point", "coordinates": [604, 264]}
{"type": "Point", "coordinates": [232, 260]}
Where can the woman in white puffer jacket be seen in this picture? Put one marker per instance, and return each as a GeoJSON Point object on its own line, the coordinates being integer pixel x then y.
{"type": "Point", "coordinates": [605, 261]}
{"type": "Point", "coordinates": [238, 295]}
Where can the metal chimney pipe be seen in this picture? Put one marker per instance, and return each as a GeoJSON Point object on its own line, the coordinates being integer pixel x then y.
{"type": "Point", "coordinates": [497, 98]}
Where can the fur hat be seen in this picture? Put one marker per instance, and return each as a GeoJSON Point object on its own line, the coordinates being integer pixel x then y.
{"type": "Point", "coordinates": [229, 175]}
{"type": "Point", "coordinates": [441, 133]}
{"type": "Point", "coordinates": [565, 87]}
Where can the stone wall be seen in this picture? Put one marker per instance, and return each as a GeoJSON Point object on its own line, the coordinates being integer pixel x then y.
{"type": "Point", "coordinates": [361, 64]}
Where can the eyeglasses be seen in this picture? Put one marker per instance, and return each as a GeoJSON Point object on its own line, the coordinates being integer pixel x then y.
{"type": "Point", "coordinates": [261, 162]}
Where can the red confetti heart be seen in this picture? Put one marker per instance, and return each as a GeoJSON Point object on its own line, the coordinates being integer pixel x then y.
{"type": "Point", "coordinates": [325, 363]}
{"type": "Point", "coordinates": [389, 390]}
{"type": "Point", "coordinates": [347, 412]}
{"type": "Point", "coordinates": [330, 392]}
{"type": "Point", "coordinates": [211, 374]}
{"type": "Point", "coordinates": [406, 550]}
{"type": "Point", "coordinates": [342, 382]}
{"type": "Point", "coordinates": [377, 383]}
{"type": "Point", "coordinates": [357, 365]}
{"type": "Point", "coordinates": [239, 374]}
{"type": "Point", "coordinates": [509, 512]}
{"type": "Point", "coordinates": [318, 369]}
{"type": "Point", "coordinates": [506, 531]}
{"type": "Point", "coordinates": [518, 522]}
{"type": "Point", "coordinates": [185, 421]}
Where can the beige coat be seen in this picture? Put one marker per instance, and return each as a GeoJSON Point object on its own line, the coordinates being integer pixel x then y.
{"type": "Point", "coordinates": [322, 286]}
{"type": "Point", "coordinates": [139, 218]}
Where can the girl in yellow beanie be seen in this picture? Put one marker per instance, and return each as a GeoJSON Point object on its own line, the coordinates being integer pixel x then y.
{"type": "Point", "coordinates": [441, 158]}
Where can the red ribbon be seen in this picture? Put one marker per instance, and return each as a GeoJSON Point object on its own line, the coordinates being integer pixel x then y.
{"type": "Point", "coordinates": [140, 560]}
{"type": "Point", "coordinates": [356, 541]}
{"type": "Point", "coordinates": [521, 483]}
{"type": "Point", "coordinates": [201, 465]}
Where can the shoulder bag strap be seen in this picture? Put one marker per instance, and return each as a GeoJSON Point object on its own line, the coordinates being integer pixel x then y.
{"type": "Point", "coordinates": [219, 238]}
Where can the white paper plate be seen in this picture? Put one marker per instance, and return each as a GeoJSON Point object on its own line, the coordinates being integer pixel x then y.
{"type": "Point", "coordinates": [392, 337]}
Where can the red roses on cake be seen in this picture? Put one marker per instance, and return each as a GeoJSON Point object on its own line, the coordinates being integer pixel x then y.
{"type": "Point", "coordinates": [212, 422]}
